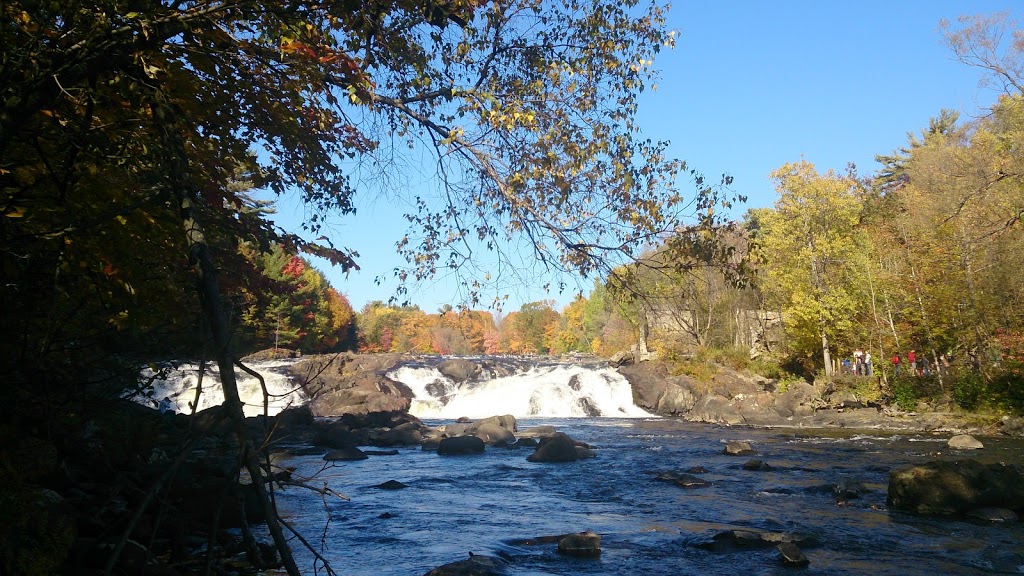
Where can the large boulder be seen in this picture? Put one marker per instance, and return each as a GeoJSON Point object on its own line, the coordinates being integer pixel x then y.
{"type": "Point", "coordinates": [655, 390]}
{"type": "Point", "coordinates": [715, 409]}
{"type": "Point", "coordinates": [492, 433]}
{"type": "Point", "coordinates": [585, 544]}
{"type": "Point", "coordinates": [475, 565]}
{"type": "Point", "coordinates": [560, 448]}
{"type": "Point", "coordinates": [460, 445]}
{"type": "Point", "coordinates": [341, 384]}
{"type": "Point", "coordinates": [459, 369]}
{"type": "Point", "coordinates": [800, 399]}
{"type": "Point", "coordinates": [956, 487]}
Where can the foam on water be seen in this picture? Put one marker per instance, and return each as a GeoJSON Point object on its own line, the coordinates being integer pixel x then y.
{"type": "Point", "coordinates": [550, 391]}
{"type": "Point", "coordinates": [178, 383]}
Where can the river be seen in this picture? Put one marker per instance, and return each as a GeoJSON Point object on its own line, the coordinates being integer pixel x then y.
{"type": "Point", "coordinates": [490, 504]}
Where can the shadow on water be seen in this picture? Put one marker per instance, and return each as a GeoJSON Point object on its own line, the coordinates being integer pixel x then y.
{"type": "Point", "coordinates": [491, 503]}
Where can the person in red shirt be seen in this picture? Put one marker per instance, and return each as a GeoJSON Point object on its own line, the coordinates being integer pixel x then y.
{"type": "Point", "coordinates": [896, 364]}
{"type": "Point", "coordinates": [912, 361]}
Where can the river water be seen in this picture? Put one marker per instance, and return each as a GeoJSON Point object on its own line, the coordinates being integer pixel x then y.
{"type": "Point", "coordinates": [492, 503]}
{"type": "Point", "coordinates": [488, 504]}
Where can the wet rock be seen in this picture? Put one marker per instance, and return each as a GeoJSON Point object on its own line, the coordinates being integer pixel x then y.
{"type": "Point", "coordinates": [506, 421]}
{"type": "Point", "coordinates": [956, 487]}
{"type": "Point", "coordinates": [391, 485]}
{"type": "Point", "coordinates": [697, 470]}
{"type": "Point", "coordinates": [585, 544]}
{"type": "Point", "coordinates": [965, 442]}
{"type": "Point", "coordinates": [739, 448]}
{"type": "Point", "coordinates": [538, 432]}
{"type": "Point", "coordinates": [791, 555]}
{"type": "Point", "coordinates": [744, 539]}
{"type": "Point", "coordinates": [431, 443]}
{"type": "Point", "coordinates": [994, 515]}
{"type": "Point", "coordinates": [491, 433]}
{"type": "Point", "coordinates": [406, 434]}
{"type": "Point", "coordinates": [386, 516]}
{"type": "Point", "coordinates": [459, 369]}
{"type": "Point", "coordinates": [690, 481]}
{"type": "Point", "coordinates": [757, 466]}
{"type": "Point", "coordinates": [350, 453]}
{"type": "Point", "coordinates": [460, 445]}
{"type": "Point", "coordinates": [381, 452]}
{"type": "Point", "coordinates": [526, 443]}
{"type": "Point", "coordinates": [849, 490]}
{"type": "Point", "coordinates": [560, 448]}
{"type": "Point", "coordinates": [475, 565]}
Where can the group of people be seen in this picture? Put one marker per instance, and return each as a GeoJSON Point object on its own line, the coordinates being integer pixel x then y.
{"type": "Point", "coordinates": [861, 364]}
{"type": "Point", "coordinates": [917, 366]}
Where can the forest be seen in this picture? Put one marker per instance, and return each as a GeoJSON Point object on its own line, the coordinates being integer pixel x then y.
{"type": "Point", "coordinates": [143, 146]}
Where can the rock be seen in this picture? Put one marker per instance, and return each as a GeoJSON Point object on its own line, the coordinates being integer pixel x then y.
{"type": "Point", "coordinates": [352, 384]}
{"type": "Point", "coordinates": [490, 433]}
{"type": "Point", "coordinates": [744, 539]}
{"type": "Point", "coordinates": [1012, 426]}
{"type": "Point", "coordinates": [460, 445]}
{"type": "Point", "coordinates": [655, 390]}
{"type": "Point", "coordinates": [798, 400]}
{"type": "Point", "coordinates": [381, 452]}
{"type": "Point", "coordinates": [459, 370]}
{"type": "Point", "coordinates": [956, 487]}
{"type": "Point", "coordinates": [715, 409]}
{"type": "Point", "coordinates": [585, 544]}
{"type": "Point", "coordinates": [406, 434]}
{"type": "Point", "coordinates": [994, 515]}
{"type": "Point", "coordinates": [965, 442]}
{"type": "Point", "coordinates": [538, 432]}
{"type": "Point", "coordinates": [791, 555]}
{"type": "Point", "coordinates": [391, 485]}
{"type": "Point", "coordinates": [474, 566]}
{"type": "Point", "coordinates": [757, 466]}
{"type": "Point", "coordinates": [697, 470]}
{"type": "Point", "coordinates": [506, 421]}
{"type": "Point", "coordinates": [560, 448]}
{"type": "Point", "coordinates": [622, 358]}
{"type": "Point", "coordinates": [739, 448]}
{"type": "Point", "coordinates": [337, 435]}
{"type": "Point", "coordinates": [349, 453]}
{"type": "Point", "coordinates": [849, 490]}
{"type": "Point", "coordinates": [690, 481]}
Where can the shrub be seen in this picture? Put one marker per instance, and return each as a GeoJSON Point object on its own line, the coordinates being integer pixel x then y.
{"type": "Point", "coordinates": [904, 394]}
{"type": "Point", "coordinates": [968, 387]}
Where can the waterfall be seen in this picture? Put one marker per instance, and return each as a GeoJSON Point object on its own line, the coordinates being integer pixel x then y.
{"type": "Point", "coordinates": [178, 383]}
{"type": "Point", "coordinates": [543, 390]}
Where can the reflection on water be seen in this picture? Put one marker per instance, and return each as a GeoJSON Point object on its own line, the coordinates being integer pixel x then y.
{"type": "Point", "coordinates": [488, 504]}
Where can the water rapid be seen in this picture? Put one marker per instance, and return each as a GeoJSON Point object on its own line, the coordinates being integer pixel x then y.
{"type": "Point", "coordinates": [552, 390]}
{"type": "Point", "coordinates": [178, 383]}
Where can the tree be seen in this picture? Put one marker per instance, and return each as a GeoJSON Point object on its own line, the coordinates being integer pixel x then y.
{"type": "Point", "coordinates": [810, 250]}
{"type": "Point", "coordinates": [114, 124]}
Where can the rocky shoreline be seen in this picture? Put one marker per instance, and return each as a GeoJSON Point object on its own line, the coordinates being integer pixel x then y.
{"type": "Point", "coordinates": [358, 384]}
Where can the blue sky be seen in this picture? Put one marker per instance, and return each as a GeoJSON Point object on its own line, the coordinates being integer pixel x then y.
{"type": "Point", "coordinates": [749, 87]}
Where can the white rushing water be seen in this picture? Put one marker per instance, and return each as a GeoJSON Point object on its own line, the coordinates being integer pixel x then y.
{"type": "Point", "coordinates": [178, 384]}
{"type": "Point", "coordinates": [553, 390]}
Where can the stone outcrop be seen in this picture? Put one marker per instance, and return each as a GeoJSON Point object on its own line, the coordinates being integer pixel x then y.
{"type": "Point", "coordinates": [341, 384]}
{"type": "Point", "coordinates": [657, 391]}
{"type": "Point", "coordinates": [957, 487]}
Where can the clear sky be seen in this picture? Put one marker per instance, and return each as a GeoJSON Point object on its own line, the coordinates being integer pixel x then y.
{"type": "Point", "coordinates": [750, 86]}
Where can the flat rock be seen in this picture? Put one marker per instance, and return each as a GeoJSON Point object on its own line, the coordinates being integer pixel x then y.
{"type": "Point", "coordinates": [585, 544]}
{"type": "Point", "coordinates": [965, 442]}
{"type": "Point", "coordinates": [791, 555]}
{"type": "Point", "coordinates": [739, 448]}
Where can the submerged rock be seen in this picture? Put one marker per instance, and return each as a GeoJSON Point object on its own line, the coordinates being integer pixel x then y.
{"type": "Point", "coordinates": [994, 515]}
{"type": "Point", "coordinates": [585, 544]}
{"type": "Point", "coordinates": [682, 480]}
{"type": "Point", "coordinates": [345, 454]}
{"type": "Point", "coordinates": [743, 539]}
{"type": "Point", "coordinates": [391, 485]}
{"type": "Point", "coordinates": [757, 466]}
{"type": "Point", "coordinates": [791, 555]}
{"type": "Point", "coordinates": [475, 565]}
{"type": "Point", "coordinates": [738, 448]}
{"type": "Point", "coordinates": [956, 487]}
